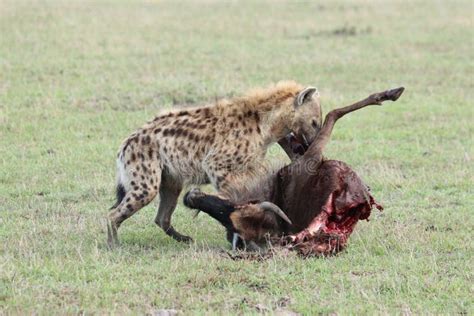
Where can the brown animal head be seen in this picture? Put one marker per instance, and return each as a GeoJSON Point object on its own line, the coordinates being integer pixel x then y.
{"type": "Point", "coordinates": [251, 222]}
{"type": "Point", "coordinates": [254, 222]}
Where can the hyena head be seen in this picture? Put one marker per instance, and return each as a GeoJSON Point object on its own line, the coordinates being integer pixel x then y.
{"type": "Point", "coordinates": [307, 120]}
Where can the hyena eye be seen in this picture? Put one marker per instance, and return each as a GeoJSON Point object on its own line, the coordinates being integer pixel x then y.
{"type": "Point", "coordinates": [315, 124]}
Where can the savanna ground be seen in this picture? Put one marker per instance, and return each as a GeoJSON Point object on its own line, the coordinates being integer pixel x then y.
{"type": "Point", "coordinates": [76, 78]}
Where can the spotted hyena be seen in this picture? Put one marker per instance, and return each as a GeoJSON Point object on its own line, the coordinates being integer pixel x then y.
{"type": "Point", "coordinates": [222, 144]}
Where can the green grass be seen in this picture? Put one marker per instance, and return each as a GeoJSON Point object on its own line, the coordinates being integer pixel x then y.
{"type": "Point", "coordinates": [76, 79]}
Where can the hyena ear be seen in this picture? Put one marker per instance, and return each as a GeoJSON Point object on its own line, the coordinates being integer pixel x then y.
{"type": "Point", "coordinates": [305, 95]}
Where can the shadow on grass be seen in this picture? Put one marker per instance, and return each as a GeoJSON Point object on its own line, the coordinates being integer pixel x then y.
{"type": "Point", "coordinates": [145, 241]}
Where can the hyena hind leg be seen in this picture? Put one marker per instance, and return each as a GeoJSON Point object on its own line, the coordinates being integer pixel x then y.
{"type": "Point", "coordinates": [169, 193]}
{"type": "Point", "coordinates": [140, 194]}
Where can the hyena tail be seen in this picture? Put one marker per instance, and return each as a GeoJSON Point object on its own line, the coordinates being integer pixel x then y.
{"type": "Point", "coordinates": [119, 194]}
{"type": "Point", "coordinates": [122, 178]}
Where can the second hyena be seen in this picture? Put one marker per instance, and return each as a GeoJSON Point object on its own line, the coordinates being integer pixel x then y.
{"type": "Point", "coordinates": [222, 144]}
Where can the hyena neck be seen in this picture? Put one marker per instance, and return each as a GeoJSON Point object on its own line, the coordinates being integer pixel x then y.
{"type": "Point", "coordinates": [275, 108]}
{"type": "Point", "coordinates": [276, 124]}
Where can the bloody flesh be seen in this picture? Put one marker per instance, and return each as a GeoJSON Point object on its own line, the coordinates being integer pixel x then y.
{"type": "Point", "coordinates": [333, 219]}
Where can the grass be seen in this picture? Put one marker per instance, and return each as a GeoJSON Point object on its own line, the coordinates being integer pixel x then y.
{"type": "Point", "coordinates": [76, 78]}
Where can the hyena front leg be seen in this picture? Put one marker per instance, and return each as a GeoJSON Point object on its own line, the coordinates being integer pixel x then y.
{"type": "Point", "coordinates": [169, 193]}
{"type": "Point", "coordinates": [140, 191]}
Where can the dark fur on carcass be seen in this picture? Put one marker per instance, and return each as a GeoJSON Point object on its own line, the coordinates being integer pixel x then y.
{"type": "Point", "coordinates": [311, 205]}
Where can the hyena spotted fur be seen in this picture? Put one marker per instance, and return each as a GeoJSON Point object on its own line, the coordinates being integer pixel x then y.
{"type": "Point", "coordinates": [223, 144]}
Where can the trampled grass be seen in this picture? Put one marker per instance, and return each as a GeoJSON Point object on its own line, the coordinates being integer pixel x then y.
{"type": "Point", "coordinates": [76, 78]}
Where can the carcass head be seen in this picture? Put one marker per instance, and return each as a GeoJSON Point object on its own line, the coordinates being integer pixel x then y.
{"type": "Point", "coordinates": [255, 222]}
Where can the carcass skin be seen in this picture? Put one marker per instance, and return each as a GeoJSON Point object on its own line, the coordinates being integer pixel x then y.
{"type": "Point", "coordinates": [322, 200]}
{"type": "Point", "coordinates": [325, 208]}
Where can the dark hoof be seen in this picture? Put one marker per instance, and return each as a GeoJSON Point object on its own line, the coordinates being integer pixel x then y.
{"type": "Point", "coordinates": [394, 94]}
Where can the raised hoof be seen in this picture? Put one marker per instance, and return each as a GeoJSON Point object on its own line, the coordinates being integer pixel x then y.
{"type": "Point", "coordinates": [394, 94]}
